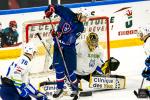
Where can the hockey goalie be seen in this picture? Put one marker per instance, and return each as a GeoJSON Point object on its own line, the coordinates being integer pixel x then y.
{"type": "Point", "coordinates": [92, 67]}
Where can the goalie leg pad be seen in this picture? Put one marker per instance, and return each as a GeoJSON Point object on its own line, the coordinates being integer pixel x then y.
{"type": "Point", "coordinates": [111, 82]}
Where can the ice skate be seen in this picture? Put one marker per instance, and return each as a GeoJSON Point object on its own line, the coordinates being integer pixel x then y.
{"type": "Point", "coordinates": [58, 93]}
{"type": "Point", "coordinates": [74, 95]}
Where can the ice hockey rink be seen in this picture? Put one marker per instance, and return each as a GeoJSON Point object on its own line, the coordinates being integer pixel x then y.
{"type": "Point", "coordinates": [131, 65]}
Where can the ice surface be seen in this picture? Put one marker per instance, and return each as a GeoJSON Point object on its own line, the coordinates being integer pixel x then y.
{"type": "Point", "coordinates": [131, 65]}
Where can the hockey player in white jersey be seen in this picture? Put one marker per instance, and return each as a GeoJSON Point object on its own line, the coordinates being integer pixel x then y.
{"type": "Point", "coordinates": [144, 34]}
{"type": "Point", "coordinates": [15, 85]}
{"type": "Point", "coordinates": [91, 59]}
{"type": "Point", "coordinates": [90, 53]}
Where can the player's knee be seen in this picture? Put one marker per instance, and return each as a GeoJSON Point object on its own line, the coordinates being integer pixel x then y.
{"type": "Point", "coordinates": [59, 68]}
{"type": "Point", "coordinates": [73, 77]}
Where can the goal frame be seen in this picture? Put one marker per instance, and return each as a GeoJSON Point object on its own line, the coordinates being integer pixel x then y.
{"type": "Point", "coordinates": [47, 22]}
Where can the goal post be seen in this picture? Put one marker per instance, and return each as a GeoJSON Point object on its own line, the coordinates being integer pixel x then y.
{"type": "Point", "coordinates": [41, 63]}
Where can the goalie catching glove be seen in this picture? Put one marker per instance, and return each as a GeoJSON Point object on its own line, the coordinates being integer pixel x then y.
{"type": "Point", "coordinates": [110, 65]}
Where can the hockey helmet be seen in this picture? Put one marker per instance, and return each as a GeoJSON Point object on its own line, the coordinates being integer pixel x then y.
{"type": "Point", "coordinates": [83, 13]}
{"type": "Point", "coordinates": [92, 40]}
{"type": "Point", "coordinates": [30, 49]}
{"type": "Point", "coordinates": [12, 23]}
{"type": "Point", "coordinates": [143, 31]}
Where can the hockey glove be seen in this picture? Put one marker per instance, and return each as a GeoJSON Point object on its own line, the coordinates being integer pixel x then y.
{"type": "Point", "coordinates": [147, 61]}
{"type": "Point", "coordinates": [28, 90]}
{"type": "Point", "coordinates": [41, 96]}
{"type": "Point", "coordinates": [54, 34]}
{"type": "Point", "coordinates": [49, 11]}
{"type": "Point", "coordinates": [22, 90]}
{"type": "Point", "coordinates": [146, 73]}
{"type": "Point", "coordinates": [113, 64]}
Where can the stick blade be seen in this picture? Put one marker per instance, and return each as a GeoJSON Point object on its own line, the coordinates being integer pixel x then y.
{"type": "Point", "coordinates": [85, 93]}
{"type": "Point", "coordinates": [142, 93]}
{"type": "Point", "coordinates": [39, 36]}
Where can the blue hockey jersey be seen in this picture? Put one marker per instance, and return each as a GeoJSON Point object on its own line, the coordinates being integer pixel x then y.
{"type": "Point", "coordinates": [69, 26]}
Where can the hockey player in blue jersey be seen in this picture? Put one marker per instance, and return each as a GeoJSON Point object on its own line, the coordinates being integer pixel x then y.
{"type": "Point", "coordinates": [144, 34]}
{"type": "Point", "coordinates": [69, 29]}
{"type": "Point", "coordinates": [15, 85]}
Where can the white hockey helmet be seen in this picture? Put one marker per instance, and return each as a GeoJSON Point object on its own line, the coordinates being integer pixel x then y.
{"type": "Point", "coordinates": [83, 12]}
{"type": "Point", "coordinates": [143, 31]}
{"type": "Point", "coordinates": [30, 48]}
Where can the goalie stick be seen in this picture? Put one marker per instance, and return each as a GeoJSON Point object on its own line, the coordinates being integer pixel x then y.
{"type": "Point", "coordinates": [43, 44]}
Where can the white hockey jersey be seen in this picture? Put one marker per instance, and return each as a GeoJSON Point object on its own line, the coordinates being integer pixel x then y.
{"type": "Point", "coordinates": [87, 61]}
{"type": "Point", "coordinates": [18, 71]}
{"type": "Point", "coordinates": [147, 46]}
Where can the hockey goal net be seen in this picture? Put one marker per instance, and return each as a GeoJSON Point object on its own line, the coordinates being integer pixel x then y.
{"type": "Point", "coordinates": [41, 63]}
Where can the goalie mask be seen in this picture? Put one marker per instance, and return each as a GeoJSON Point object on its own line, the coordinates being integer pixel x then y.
{"type": "Point", "coordinates": [92, 41]}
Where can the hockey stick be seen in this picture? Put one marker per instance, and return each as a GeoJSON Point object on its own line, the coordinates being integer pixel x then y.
{"type": "Point", "coordinates": [142, 93]}
{"type": "Point", "coordinates": [43, 44]}
{"type": "Point", "coordinates": [135, 92]}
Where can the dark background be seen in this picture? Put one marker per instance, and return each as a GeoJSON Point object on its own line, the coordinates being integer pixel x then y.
{"type": "Point", "coordinates": [4, 4]}
{"type": "Point", "coordinates": [35, 3]}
